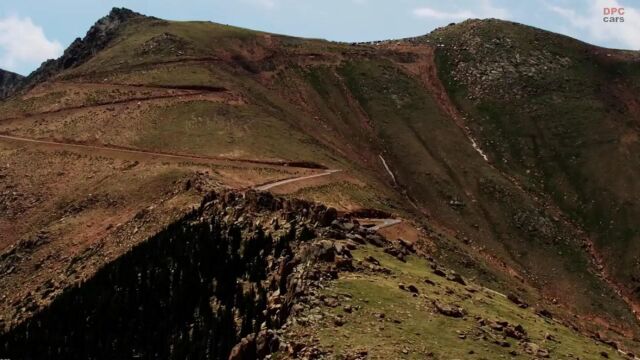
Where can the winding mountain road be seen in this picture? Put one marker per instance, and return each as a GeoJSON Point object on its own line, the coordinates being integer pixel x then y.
{"type": "Point", "coordinates": [383, 223]}
{"type": "Point", "coordinates": [265, 187]}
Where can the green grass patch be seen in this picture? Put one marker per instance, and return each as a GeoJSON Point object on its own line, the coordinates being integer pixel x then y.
{"type": "Point", "coordinates": [412, 329]}
{"type": "Point", "coordinates": [211, 128]}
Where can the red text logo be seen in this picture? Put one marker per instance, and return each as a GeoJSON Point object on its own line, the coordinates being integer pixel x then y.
{"type": "Point", "coordinates": [613, 14]}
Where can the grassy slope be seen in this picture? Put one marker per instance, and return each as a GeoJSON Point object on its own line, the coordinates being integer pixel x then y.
{"type": "Point", "coordinates": [412, 328]}
{"type": "Point", "coordinates": [436, 163]}
{"type": "Point", "coordinates": [575, 140]}
{"type": "Point", "coordinates": [196, 39]}
{"type": "Point", "coordinates": [215, 129]}
{"type": "Point", "coordinates": [342, 108]}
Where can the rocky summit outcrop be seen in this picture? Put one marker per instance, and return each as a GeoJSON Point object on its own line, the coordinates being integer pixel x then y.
{"type": "Point", "coordinates": [82, 49]}
{"type": "Point", "coordinates": [499, 67]}
{"type": "Point", "coordinates": [8, 82]}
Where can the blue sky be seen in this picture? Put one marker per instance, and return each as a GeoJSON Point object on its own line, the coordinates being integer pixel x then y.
{"type": "Point", "coordinates": [33, 30]}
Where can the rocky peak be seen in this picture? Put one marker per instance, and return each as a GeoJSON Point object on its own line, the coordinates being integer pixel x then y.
{"type": "Point", "coordinates": [8, 82]}
{"type": "Point", "coordinates": [121, 14]}
{"type": "Point", "coordinates": [102, 31]}
{"type": "Point", "coordinates": [97, 38]}
{"type": "Point", "coordinates": [499, 58]}
{"type": "Point", "coordinates": [82, 49]}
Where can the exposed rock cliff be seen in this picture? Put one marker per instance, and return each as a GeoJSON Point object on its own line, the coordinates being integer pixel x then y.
{"type": "Point", "coordinates": [8, 82]}
{"type": "Point", "coordinates": [82, 49]}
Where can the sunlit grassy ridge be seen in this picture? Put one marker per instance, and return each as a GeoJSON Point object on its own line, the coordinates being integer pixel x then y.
{"type": "Point", "coordinates": [411, 328]}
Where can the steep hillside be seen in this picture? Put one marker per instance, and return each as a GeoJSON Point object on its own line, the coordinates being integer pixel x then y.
{"type": "Point", "coordinates": [494, 149]}
{"type": "Point", "coordinates": [562, 117]}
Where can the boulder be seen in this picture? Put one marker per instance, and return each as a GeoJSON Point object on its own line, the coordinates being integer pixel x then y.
{"type": "Point", "coordinates": [545, 313]}
{"type": "Point", "coordinates": [438, 270]}
{"type": "Point", "coordinates": [372, 260]}
{"type": "Point", "coordinates": [245, 349]}
{"type": "Point", "coordinates": [515, 332]}
{"type": "Point", "coordinates": [376, 240]}
{"type": "Point", "coordinates": [357, 238]}
{"type": "Point", "coordinates": [328, 216]}
{"type": "Point", "coordinates": [449, 310]}
{"type": "Point", "coordinates": [331, 301]}
{"type": "Point", "coordinates": [344, 263]}
{"type": "Point", "coordinates": [517, 300]}
{"type": "Point", "coordinates": [406, 245]}
{"type": "Point", "coordinates": [324, 250]}
{"type": "Point", "coordinates": [455, 277]}
{"type": "Point", "coordinates": [267, 342]}
{"type": "Point", "coordinates": [536, 350]}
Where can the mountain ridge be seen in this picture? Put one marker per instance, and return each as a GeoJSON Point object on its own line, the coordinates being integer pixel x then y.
{"type": "Point", "coordinates": [80, 50]}
{"type": "Point", "coordinates": [484, 140]}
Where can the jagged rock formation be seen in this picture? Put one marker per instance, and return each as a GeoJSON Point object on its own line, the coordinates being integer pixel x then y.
{"type": "Point", "coordinates": [8, 82]}
{"type": "Point", "coordinates": [82, 49]}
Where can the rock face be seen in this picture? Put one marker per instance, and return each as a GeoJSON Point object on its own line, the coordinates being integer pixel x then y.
{"type": "Point", "coordinates": [449, 310]}
{"type": "Point", "coordinates": [9, 82]}
{"type": "Point", "coordinates": [81, 49]}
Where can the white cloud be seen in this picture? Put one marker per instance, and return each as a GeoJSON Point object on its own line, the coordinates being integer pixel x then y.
{"type": "Point", "coordinates": [23, 43]}
{"type": "Point", "coordinates": [625, 33]}
{"type": "Point", "coordinates": [484, 9]}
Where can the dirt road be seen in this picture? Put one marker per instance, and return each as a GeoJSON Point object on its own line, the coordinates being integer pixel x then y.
{"type": "Point", "coordinates": [268, 186]}
{"type": "Point", "coordinates": [147, 153]}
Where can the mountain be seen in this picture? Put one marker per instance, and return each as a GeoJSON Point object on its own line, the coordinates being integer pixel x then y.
{"type": "Point", "coordinates": [8, 82]}
{"type": "Point", "coordinates": [81, 49]}
{"type": "Point", "coordinates": [467, 193]}
{"type": "Point", "coordinates": [560, 117]}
